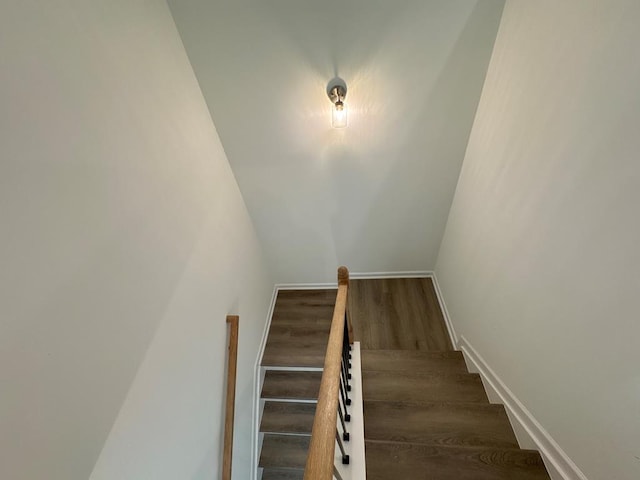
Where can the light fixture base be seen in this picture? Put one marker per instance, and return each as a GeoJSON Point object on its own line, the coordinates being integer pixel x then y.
{"type": "Point", "coordinates": [337, 90]}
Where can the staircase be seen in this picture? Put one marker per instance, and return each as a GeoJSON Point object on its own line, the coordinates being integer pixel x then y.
{"type": "Point", "coordinates": [425, 415]}
{"type": "Point", "coordinates": [294, 357]}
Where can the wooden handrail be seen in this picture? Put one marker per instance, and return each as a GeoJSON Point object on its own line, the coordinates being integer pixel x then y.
{"type": "Point", "coordinates": [231, 396]}
{"type": "Point", "coordinates": [320, 459]}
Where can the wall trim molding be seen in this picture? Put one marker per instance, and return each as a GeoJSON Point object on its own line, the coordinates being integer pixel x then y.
{"type": "Point", "coordinates": [374, 275]}
{"type": "Point", "coordinates": [257, 381]}
{"type": "Point", "coordinates": [445, 312]}
{"type": "Point", "coordinates": [558, 463]}
{"type": "Point", "coordinates": [306, 286]}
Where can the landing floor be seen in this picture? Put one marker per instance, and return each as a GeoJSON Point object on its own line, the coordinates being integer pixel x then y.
{"type": "Point", "coordinates": [397, 314]}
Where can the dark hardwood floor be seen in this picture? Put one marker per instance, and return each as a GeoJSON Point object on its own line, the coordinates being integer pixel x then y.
{"type": "Point", "coordinates": [291, 385]}
{"type": "Point", "coordinates": [299, 328]}
{"type": "Point", "coordinates": [297, 340]}
{"type": "Point", "coordinates": [397, 314]}
{"type": "Point", "coordinates": [425, 416]}
{"type": "Point", "coordinates": [411, 461]}
{"type": "Point", "coordinates": [439, 423]}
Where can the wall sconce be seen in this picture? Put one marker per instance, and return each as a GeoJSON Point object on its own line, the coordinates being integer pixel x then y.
{"type": "Point", "coordinates": [337, 90]}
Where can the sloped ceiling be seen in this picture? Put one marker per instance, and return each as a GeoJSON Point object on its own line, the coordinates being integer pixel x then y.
{"type": "Point", "coordinates": [374, 196]}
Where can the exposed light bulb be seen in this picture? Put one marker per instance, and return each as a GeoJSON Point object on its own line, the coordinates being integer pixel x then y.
{"type": "Point", "coordinates": [337, 90]}
{"type": "Point", "coordinates": [339, 115]}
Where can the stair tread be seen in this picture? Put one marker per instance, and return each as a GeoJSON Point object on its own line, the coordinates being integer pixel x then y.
{"type": "Point", "coordinates": [293, 357]}
{"type": "Point", "coordinates": [293, 341]}
{"type": "Point", "coordinates": [312, 302]}
{"type": "Point", "coordinates": [294, 307]}
{"type": "Point", "coordinates": [299, 330]}
{"type": "Point", "coordinates": [295, 385]}
{"type": "Point", "coordinates": [390, 460]}
{"type": "Point", "coordinates": [423, 387]}
{"type": "Point", "coordinates": [301, 311]}
{"type": "Point", "coordinates": [413, 360]}
{"type": "Point", "coordinates": [320, 296]}
{"type": "Point", "coordinates": [284, 451]}
{"type": "Point", "coordinates": [474, 424]}
{"type": "Point", "coordinates": [287, 417]}
{"type": "Point", "coordinates": [282, 474]}
{"type": "Point", "coordinates": [285, 316]}
{"type": "Point", "coordinates": [425, 415]}
{"type": "Point", "coordinates": [295, 352]}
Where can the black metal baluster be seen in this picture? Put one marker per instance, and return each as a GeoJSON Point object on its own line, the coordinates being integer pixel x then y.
{"type": "Point", "coordinates": [345, 457]}
{"type": "Point", "coordinates": [345, 365]}
{"type": "Point", "coordinates": [347, 388]}
{"type": "Point", "coordinates": [346, 347]}
{"type": "Point", "coordinates": [347, 415]}
{"type": "Point", "coordinates": [345, 434]}
{"type": "Point", "coordinates": [345, 401]}
{"type": "Point", "coordinates": [346, 334]}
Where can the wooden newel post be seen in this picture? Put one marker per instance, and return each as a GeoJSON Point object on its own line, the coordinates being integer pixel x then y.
{"type": "Point", "coordinates": [343, 279]}
{"type": "Point", "coordinates": [232, 320]}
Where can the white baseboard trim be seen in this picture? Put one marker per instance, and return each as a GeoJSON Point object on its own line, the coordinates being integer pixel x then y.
{"type": "Point", "coordinates": [558, 463]}
{"type": "Point", "coordinates": [267, 325]}
{"type": "Point", "coordinates": [307, 286]}
{"type": "Point", "coordinates": [258, 377]}
{"type": "Point", "coordinates": [445, 312]}
{"type": "Point", "coordinates": [293, 369]}
{"type": "Point", "coordinates": [376, 275]}
{"type": "Point", "coordinates": [355, 276]}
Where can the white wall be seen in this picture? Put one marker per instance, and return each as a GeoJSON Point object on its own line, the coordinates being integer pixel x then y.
{"type": "Point", "coordinates": [540, 262]}
{"type": "Point", "coordinates": [374, 196]}
{"type": "Point", "coordinates": [125, 242]}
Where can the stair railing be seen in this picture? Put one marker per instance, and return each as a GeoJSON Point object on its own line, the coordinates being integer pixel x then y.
{"type": "Point", "coordinates": [333, 399]}
{"type": "Point", "coordinates": [232, 320]}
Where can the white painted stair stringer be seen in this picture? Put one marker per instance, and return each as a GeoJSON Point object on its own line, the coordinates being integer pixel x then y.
{"type": "Point", "coordinates": [356, 470]}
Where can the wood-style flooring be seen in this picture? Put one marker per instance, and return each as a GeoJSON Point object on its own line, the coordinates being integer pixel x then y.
{"type": "Point", "coordinates": [425, 416]}
{"type": "Point", "coordinates": [299, 329]}
{"type": "Point", "coordinates": [397, 314]}
{"type": "Point", "coordinates": [297, 339]}
{"type": "Point", "coordinates": [410, 461]}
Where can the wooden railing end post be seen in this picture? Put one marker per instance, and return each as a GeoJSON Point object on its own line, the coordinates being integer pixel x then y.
{"type": "Point", "coordinates": [233, 321]}
{"type": "Point", "coordinates": [343, 279]}
{"type": "Point", "coordinates": [343, 276]}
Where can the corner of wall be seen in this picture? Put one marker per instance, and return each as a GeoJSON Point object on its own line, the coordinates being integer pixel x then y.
{"type": "Point", "coordinates": [445, 312]}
